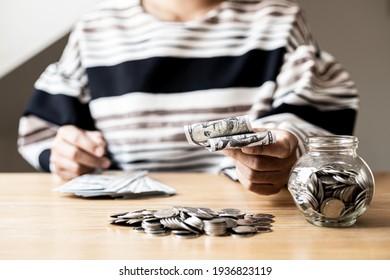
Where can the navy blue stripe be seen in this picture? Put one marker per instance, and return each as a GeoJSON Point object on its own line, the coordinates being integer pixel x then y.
{"type": "Point", "coordinates": [60, 109]}
{"type": "Point", "coordinates": [340, 122]}
{"type": "Point", "coordinates": [173, 74]}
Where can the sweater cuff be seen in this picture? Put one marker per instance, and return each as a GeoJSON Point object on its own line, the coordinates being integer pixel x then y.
{"type": "Point", "coordinates": [44, 160]}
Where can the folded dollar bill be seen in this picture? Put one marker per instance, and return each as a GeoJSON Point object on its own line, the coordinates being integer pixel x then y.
{"type": "Point", "coordinates": [123, 185]}
{"type": "Point", "coordinates": [230, 133]}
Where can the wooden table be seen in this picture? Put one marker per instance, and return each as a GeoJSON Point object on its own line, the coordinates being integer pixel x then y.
{"type": "Point", "coordinates": [38, 223]}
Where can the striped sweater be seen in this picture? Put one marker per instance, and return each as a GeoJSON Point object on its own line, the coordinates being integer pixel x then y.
{"type": "Point", "coordinates": [139, 80]}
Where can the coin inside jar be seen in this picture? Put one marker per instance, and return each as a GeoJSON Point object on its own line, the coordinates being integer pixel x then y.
{"type": "Point", "coordinates": [332, 208]}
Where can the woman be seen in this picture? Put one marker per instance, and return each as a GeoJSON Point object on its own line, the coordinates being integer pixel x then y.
{"type": "Point", "coordinates": [135, 72]}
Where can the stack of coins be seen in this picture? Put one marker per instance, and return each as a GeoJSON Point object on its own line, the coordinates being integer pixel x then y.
{"type": "Point", "coordinates": [216, 227]}
{"type": "Point", "coordinates": [332, 191]}
{"type": "Point", "coordinates": [190, 222]}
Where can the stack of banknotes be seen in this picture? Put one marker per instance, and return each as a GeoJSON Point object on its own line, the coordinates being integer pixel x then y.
{"type": "Point", "coordinates": [117, 185]}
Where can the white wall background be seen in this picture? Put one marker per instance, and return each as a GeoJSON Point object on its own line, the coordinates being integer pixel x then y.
{"type": "Point", "coordinates": [28, 26]}
{"type": "Point", "coordinates": [356, 32]}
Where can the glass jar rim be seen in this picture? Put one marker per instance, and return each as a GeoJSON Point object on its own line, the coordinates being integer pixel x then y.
{"type": "Point", "coordinates": [331, 141]}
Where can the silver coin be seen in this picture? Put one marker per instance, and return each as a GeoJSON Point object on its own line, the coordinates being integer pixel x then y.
{"type": "Point", "coordinates": [139, 229]}
{"type": "Point", "coordinates": [230, 222]}
{"type": "Point", "coordinates": [188, 227]}
{"type": "Point", "coordinates": [263, 215]}
{"type": "Point", "coordinates": [166, 213]}
{"type": "Point", "coordinates": [201, 215]}
{"type": "Point", "coordinates": [119, 214]}
{"type": "Point", "coordinates": [244, 229]}
{"type": "Point", "coordinates": [328, 180]}
{"type": "Point", "coordinates": [183, 231]}
{"type": "Point", "coordinates": [187, 235]}
{"type": "Point", "coordinates": [264, 220]}
{"type": "Point", "coordinates": [208, 211]}
{"type": "Point", "coordinates": [134, 221]}
{"type": "Point", "coordinates": [344, 179]}
{"type": "Point", "coordinates": [231, 212]}
{"type": "Point", "coordinates": [172, 223]}
{"type": "Point", "coordinates": [183, 215]}
{"type": "Point", "coordinates": [132, 215]}
{"type": "Point", "coordinates": [350, 193]}
{"type": "Point", "coordinates": [148, 212]}
{"type": "Point", "coordinates": [152, 222]}
{"type": "Point", "coordinates": [262, 224]}
{"type": "Point", "coordinates": [244, 222]}
{"type": "Point", "coordinates": [262, 229]}
{"type": "Point", "coordinates": [158, 233]}
{"type": "Point", "coordinates": [194, 222]}
{"type": "Point", "coordinates": [120, 221]}
{"type": "Point", "coordinates": [216, 221]}
{"type": "Point", "coordinates": [242, 234]}
{"type": "Point", "coordinates": [332, 208]}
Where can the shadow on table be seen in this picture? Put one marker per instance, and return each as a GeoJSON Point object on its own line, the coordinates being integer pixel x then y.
{"type": "Point", "coordinates": [373, 222]}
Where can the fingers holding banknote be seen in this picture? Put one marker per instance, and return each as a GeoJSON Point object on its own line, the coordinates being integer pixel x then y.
{"type": "Point", "coordinates": [265, 169]}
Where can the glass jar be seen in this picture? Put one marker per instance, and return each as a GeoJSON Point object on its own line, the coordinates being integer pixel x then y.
{"type": "Point", "coordinates": [330, 184]}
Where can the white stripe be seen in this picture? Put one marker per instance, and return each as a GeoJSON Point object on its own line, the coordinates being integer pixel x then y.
{"type": "Point", "coordinates": [178, 37]}
{"type": "Point", "coordinates": [114, 149]}
{"type": "Point", "coordinates": [31, 152]}
{"type": "Point", "coordinates": [119, 55]}
{"type": "Point", "coordinates": [145, 134]}
{"type": "Point", "coordinates": [154, 165]}
{"type": "Point", "coordinates": [133, 10]}
{"type": "Point", "coordinates": [166, 155]}
{"type": "Point", "coordinates": [54, 82]}
{"type": "Point", "coordinates": [203, 99]}
{"type": "Point", "coordinates": [28, 124]}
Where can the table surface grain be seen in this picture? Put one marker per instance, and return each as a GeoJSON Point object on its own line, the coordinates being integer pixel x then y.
{"type": "Point", "coordinates": [39, 223]}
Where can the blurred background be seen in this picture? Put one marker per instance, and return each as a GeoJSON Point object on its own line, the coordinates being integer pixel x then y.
{"type": "Point", "coordinates": [357, 32]}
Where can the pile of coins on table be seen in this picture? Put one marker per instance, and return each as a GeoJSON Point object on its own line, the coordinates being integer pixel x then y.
{"type": "Point", "coordinates": [332, 192]}
{"type": "Point", "coordinates": [190, 222]}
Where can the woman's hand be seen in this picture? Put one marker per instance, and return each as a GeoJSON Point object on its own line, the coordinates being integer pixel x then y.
{"type": "Point", "coordinates": [265, 169]}
{"type": "Point", "coordinates": [76, 151]}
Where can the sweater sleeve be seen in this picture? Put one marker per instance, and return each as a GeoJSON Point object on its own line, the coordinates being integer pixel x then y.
{"type": "Point", "coordinates": [314, 95]}
{"type": "Point", "coordinates": [60, 97]}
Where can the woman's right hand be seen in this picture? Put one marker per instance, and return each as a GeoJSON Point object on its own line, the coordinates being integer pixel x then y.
{"type": "Point", "coordinates": [76, 151]}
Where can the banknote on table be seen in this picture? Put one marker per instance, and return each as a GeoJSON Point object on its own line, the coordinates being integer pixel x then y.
{"type": "Point", "coordinates": [122, 185]}
{"type": "Point", "coordinates": [229, 133]}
